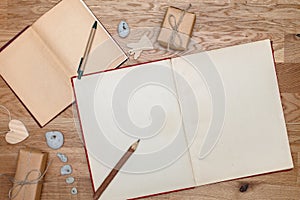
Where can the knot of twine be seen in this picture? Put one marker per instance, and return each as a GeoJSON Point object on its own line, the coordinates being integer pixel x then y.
{"type": "Point", "coordinates": [175, 25]}
{"type": "Point", "coordinates": [19, 184]}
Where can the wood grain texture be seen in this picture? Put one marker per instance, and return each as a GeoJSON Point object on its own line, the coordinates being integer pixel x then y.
{"type": "Point", "coordinates": [292, 48]}
{"type": "Point", "coordinates": [288, 77]}
{"type": "Point", "coordinates": [219, 23]}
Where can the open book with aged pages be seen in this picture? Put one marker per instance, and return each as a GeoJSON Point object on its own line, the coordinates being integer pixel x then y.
{"type": "Point", "coordinates": [39, 63]}
{"type": "Point", "coordinates": [202, 118]}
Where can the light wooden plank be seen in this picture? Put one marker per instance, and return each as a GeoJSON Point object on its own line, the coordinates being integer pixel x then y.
{"type": "Point", "coordinates": [267, 2]}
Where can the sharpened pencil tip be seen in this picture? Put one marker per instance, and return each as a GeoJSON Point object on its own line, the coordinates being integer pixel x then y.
{"type": "Point", "coordinates": [135, 145]}
{"type": "Point", "coordinates": [95, 25]}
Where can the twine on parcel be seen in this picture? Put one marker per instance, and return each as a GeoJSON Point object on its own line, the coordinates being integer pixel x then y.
{"type": "Point", "coordinates": [19, 184]}
{"type": "Point", "coordinates": [175, 25]}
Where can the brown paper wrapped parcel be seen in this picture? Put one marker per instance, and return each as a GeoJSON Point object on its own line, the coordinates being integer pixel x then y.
{"type": "Point", "coordinates": [176, 29]}
{"type": "Point", "coordinates": [31, 163]}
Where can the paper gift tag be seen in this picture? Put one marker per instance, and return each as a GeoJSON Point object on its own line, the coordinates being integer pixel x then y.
{"type": "Point", "coordinates": [142, 45]}
{"type": "Point", "coordinates": [17, 133]}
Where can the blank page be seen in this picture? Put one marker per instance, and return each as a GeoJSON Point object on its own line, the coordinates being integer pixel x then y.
{"type": "Point", "coordinates": [39, 64]}
{"type": "Point", "coordinates": [66, 28]}
{"type": "Point", "coordinates": [40, 83]}
{"type": "Point", "coordinates": [253, 137]}
{"type": "Point", "coordinates": [120, 106]}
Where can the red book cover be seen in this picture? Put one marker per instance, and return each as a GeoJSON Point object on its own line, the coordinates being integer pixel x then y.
{"type": "Point", "coordinates": [250, 65]}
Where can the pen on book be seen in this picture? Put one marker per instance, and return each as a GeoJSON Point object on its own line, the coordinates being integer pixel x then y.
{"type": "Point", "coordinates": [115, 170]}
{"type": "Point", "coordinates": [84, 59]}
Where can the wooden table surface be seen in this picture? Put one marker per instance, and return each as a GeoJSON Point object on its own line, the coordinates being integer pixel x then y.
{"type": "Point", "coordinates": [219, 23]}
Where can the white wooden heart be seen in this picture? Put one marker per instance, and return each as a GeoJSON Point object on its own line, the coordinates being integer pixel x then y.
{"type": "Point", "coordinates": [17, 133]}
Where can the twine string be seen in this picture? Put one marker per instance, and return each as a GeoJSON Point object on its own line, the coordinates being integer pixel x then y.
{"type": "Point", "coordinates": [175, 25]}
{"type": "Point", "coordinates": [19, 184]}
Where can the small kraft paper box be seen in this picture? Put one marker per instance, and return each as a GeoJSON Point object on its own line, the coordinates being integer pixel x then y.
{"type": "Point", "coordinates": [176, 28]}
{"type": "Point", "coordinates": [31, 163]}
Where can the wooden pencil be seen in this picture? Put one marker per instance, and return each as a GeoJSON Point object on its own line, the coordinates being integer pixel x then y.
{"type": "Point", "coordinates": [115, 170]}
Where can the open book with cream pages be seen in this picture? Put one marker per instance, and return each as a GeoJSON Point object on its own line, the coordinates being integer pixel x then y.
{"type": "Point", "coordinates": [38, 64]}
{"type": "Point", "coordinates": [201, 118]}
